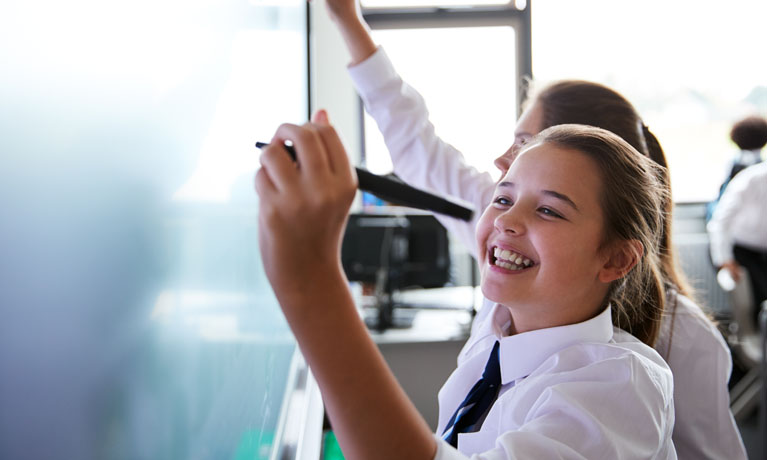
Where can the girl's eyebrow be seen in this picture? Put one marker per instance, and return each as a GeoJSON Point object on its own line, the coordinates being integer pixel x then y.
{"type": "Point", "coordinates": [566, 199]}
{"type": "Point", "coordinates": [560, 196]}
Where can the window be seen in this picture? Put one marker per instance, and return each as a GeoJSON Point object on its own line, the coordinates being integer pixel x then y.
{"type": "Point", "coordinates": [691, 70]}
{"type": "Point", "coordinates": [470, 88]}
{"type": "Point", "coordinates": [470, 80]}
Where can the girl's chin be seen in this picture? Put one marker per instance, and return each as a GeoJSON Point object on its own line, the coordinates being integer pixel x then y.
{"type": "Point", "coordinates": [495, 293]}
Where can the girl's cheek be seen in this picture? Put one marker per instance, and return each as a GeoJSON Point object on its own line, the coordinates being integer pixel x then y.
{"type": "Point", "coordinates": [484, 231]}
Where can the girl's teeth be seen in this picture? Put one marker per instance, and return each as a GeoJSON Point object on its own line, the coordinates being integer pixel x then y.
{"type": "Point", "coordinates": [512, 257]}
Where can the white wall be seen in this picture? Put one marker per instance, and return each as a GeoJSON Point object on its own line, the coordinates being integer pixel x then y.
{"type": "Point", "coordinates": [332, 89]}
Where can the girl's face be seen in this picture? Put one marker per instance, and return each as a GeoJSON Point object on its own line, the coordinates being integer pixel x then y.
{"type": "Point", "coordinates": [529, 124]}
{"type": "Point", "coordinates": [539, 239]}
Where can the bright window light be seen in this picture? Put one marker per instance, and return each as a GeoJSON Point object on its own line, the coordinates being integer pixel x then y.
{"type": "Point", "coordinates": [468, 82]}
{"type": "Point", "coordinates": [691, 71]}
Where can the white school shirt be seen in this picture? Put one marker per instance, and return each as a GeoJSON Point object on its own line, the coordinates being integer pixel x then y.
{"type": "Point", "coordinates": [581, 391]}
{"type": "Point", "coordinates": [741, 215]}
{"type": "Point", "coordinates": [699, 351]}
{"type": "Point", "coordinates": [698, 356]}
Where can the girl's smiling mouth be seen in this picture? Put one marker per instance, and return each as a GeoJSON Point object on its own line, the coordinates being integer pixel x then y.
{"type": "Point", "coordinates": [509, 260]}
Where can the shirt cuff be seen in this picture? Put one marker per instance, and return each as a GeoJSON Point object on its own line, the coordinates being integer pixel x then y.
{"type": "Point", "coordinates": [721, 251]}
{"type": "Point", "coordinates": [373, 73]}
{"type": "Point", "coordinates": [447, 452]}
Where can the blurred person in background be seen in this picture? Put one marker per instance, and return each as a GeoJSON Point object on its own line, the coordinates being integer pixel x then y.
{"type": "Point", "coordinates": [738, 230]}
{"type": "Point", "coordinates": [750, 135]}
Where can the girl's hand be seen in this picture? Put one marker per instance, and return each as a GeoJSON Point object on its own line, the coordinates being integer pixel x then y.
{"type": "Point", "coordinates": [303, 212]}
{"type": "Point", "coordinates": [303, 207]}
{"type": "Point", "coordinates": [347, 16]}
{"type": "Point", "coordinates": [733, 268]}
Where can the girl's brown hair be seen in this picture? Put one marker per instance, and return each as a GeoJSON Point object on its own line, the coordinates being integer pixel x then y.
{"type": "Point", "coordinates": [632, 199]}
{"type": "Point", "coordinates": [588, 103]}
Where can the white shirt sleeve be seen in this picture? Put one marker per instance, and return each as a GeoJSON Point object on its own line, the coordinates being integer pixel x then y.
{"type": "Point", "coordinates": [447, 452]}
{"type": "Point", "coordinates": [720, 226]}
{"type": "Point", "coordinates": [741, 215]}
{"type": "Point", "coordinates": [419, 156]}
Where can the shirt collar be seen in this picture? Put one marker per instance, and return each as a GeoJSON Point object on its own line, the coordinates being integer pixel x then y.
{"type": "Point", "coordinates": [520, 354]}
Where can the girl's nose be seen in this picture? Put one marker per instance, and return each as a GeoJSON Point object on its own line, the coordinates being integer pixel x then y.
{"type": "Point", "coordinates": [510, 221]}
{"type": "Point", "coordinates": [503, 162]}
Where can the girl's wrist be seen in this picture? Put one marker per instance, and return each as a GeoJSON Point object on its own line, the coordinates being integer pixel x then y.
{"type": "Point", "coordinates": [358, 39]}
{"type": "Point", "coordinates": [310, 281]}
{"type": "Point", "coordinates": [307, 306]}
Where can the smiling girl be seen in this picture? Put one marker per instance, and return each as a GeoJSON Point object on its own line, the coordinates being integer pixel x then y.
{"type": "Point", "coordinates": [688, 340]}
{"type": "Point", "coordinates": [568, 251]}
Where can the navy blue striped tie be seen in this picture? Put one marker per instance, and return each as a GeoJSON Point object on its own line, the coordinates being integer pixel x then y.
{"type": "Point", "coordinates": [471, 413]}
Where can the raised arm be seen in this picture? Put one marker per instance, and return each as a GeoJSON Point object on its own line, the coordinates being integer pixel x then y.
{"type": "Point", "coordinates": [301, 220]}
{"type": "Point", "coordinates": [420, 157]}
{"type": "Point", "coordinates": [354, 30]}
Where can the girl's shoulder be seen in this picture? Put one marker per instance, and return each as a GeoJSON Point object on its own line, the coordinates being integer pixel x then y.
{"type": "Point", "coordinates": [624, 359]}
{"type": "Point", "coordinates": [686, 328]}
{"type": "Point", "coordinates": [589, 387]}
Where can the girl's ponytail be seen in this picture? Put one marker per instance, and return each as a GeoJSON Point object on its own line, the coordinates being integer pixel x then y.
{"type": "Point", "coordinates": [638, 300]}
{"type": "Point", "coordinates": [670, 269]}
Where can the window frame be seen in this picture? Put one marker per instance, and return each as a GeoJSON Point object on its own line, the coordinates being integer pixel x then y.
{"type": "Point", "coordinates": [379, 18]}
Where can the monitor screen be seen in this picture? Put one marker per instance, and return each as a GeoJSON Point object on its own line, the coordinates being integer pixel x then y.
{"type": "Point", "coordinates": [412, 247]}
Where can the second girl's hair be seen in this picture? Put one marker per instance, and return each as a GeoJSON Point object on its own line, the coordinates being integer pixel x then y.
{"type": "Point", "coordinates": [632, 201]}
{"type": "Point", "coordinates": [589, 103]}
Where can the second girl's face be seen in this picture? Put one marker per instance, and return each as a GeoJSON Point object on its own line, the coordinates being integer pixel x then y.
{"type": "Point", "coordinates": [539, 239]}
{"type": "Point", "coordinates": [529, 124]}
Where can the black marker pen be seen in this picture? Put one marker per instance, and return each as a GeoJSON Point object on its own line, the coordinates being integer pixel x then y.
{"type": "Point", "coordinates": [400, 193]}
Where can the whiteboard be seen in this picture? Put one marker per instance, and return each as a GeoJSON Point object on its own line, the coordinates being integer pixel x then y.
{"type": "Point", "coordinates": [137, 322]}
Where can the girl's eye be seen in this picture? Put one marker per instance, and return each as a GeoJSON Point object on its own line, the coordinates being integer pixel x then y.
{"type": "Point", "coordinates": [503, 201]}
{"type": "Point", "coordinates": [550, 212]}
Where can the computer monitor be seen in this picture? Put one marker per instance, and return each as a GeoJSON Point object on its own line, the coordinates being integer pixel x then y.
{"type": "Point", "coordinates": [412, 247]}
{"type": "Point", "coordinates": [395, 252]}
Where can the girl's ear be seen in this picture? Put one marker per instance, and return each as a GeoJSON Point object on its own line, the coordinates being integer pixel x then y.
{"type": "Point", "coordinates": [622, 257]}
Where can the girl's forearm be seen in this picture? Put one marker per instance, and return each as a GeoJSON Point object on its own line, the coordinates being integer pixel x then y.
{"type": "Point", "coordinates": [371, 415]}
{"type": "Point", "coordinates": [356, 35]}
